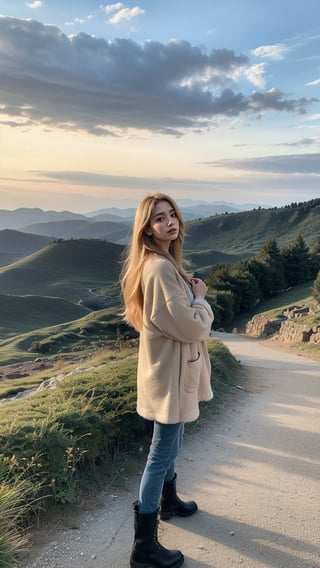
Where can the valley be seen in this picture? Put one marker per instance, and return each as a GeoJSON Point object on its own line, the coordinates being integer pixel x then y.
{"type": "Point", "coordinates": [61, 294]}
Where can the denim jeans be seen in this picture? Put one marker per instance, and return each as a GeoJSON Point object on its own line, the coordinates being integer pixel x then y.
{"type": "Point", "coordinates": [160, 466]}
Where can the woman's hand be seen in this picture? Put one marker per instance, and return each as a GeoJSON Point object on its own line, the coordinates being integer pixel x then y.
{"type": "Point", "coordinates": [198, 287]}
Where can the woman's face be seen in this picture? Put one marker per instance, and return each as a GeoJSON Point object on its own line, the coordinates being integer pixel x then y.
{"type": "Point", "coordinates": [164, 225]}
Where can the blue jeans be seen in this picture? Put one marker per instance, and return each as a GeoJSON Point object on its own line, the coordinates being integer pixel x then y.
{"type": "Point", "coordinates": [160, 466]}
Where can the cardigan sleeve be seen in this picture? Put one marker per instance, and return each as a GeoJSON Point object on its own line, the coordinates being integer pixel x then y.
{"type": "Point", "coordinates": [168, 308]}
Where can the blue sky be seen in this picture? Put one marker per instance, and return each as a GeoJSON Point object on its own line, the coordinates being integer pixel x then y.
{"type": "Point", "coordinates": [102, 103]}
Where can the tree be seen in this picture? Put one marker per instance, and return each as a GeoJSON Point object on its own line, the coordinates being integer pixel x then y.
{"type": "Point", "coordinates": [314, 254]}
{"type": "Point", "coordinates": [296, 260]}
{"type": "Point", "coordinates": [221, 302]}
{"type": "Point", "coordinates": [246, 288]}
{"type": "Point", "coordinates": [271, 276]}
{"type": "Point", "coordinates": [316, 288]}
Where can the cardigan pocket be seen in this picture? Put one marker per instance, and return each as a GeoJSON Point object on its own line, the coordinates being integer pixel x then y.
{"type": "Point", "coordinates": [193, 372]}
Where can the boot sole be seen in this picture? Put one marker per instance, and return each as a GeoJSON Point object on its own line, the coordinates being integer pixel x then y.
{"type": "Point", "coordinates": [134, 564]}
{"type": "Point", "coordinates": [166, 515]}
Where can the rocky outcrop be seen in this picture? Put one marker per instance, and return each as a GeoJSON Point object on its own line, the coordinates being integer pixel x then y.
{"type": "Point", "coordinates": [261, 326]}
{"type": "Point", "coordinates": [291, 332]}
{"type": "Point", "coordinates": [287, 327]}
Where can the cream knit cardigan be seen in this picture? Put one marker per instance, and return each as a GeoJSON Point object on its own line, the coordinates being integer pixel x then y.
{"type": "Point", "coordinates": [174, 367]}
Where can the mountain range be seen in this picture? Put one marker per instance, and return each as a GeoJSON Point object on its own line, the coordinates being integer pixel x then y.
{"type": "Point", "coordinates": [23, 218]}
{"type": "Point", "coordinates": [73, 266]}
{"type": "Point", "coordinates": [237, 234]}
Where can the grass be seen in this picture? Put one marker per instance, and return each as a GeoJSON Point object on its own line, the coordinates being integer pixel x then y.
{"type": "Point", "coordinates": [20, 314]}
{"type": "Point", "coordinates": [84, 336]}
{"type": "Point", "coordinates": [56, 439]}
{"type": "Point", "coordinates": [17, 501]}
{"type": "Point", "coordinates": [11, 387]}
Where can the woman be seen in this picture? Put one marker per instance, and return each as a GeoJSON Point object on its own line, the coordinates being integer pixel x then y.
{"type": "Point", "coordinates": [169, 309]}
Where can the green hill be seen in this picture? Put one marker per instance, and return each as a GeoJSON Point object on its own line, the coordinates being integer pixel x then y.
{"type": "Point", "coordinates": [19, 314]}
{"type": "Point", "coordinates": [69, 269]}
{"type": "Point", "coordinates": [15, 242]}
{"type": "Point", "coordinates": [202, 261]}
{"type": "Point", "coordinates": [248, 231]}
{"type": "Point", "coordinates": [84, 335]}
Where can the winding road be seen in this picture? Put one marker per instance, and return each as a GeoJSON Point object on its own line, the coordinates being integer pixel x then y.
{"type": "Point", "coordinates": [254, 471]}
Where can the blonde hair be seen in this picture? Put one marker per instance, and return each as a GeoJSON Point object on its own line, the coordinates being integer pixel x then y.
{"type": "Point", "coordinates": [140, 248]}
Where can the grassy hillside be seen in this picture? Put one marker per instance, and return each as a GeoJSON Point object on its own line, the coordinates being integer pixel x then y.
{"type": "Point", "coordinates": [67, 269]}
{"type": "Point", "coordinates": [25, 313]}
{"type": "Point", "coordinates": [202, 261]}
{"type": "Point", "coordinates": [246, 232]}
{"type": "Point", "coordinates": [15, 242]}
{"type": "Point", "coordinates": [84, 335]}
{"type": "Point", "coordinates": [6, 259]}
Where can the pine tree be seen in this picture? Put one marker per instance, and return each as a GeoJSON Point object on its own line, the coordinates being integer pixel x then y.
{"type": "Point", "coordinates": [297, 263]}
{"type": "Point", "coordinates": [316, 288]}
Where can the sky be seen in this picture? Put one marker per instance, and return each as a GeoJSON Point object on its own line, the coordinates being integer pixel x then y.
{"type": "Point", "coordinates": [207, 100]}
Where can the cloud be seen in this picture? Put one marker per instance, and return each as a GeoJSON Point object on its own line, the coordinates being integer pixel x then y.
{"type": "Point", "coordinates": [34, 5]}
{"type": "Point", "coordinates": [312, 141]}
{"type": "Point", "coordinates": [303, 164]}
{"type": "Point", "coordinates": [112, 7]}
{"type": "Point", "coordinates": [84, 178]}
{"type": "Point", "coordinates": [312, 83]}
{"type": "Point", "coordinates": [111, 87]}
{"type": "Point", "coordinates": [125, 14]}
{"type": "Point", "coordinates": [273, 189]}
{"type": "Point", "coordinates": [80, 21]}
{"type": "Point", "coordinates": [274, 52]}
{"type": "Point", "coordinates": [255, 74]}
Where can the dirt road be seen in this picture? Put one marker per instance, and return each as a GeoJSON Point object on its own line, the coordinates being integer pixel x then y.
{"type": "Point", "coordinates": [254, 471]}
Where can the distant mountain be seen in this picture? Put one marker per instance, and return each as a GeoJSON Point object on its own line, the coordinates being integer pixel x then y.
{"type": "Point", "coordinates": [114, 218]}
{"type": "Point", "coordinates": [87, 229]}
{"type": "Point", "coordinates": [24, 216]}
{"type": "Point", "coordinates": [203, 210]}
{"type": "Point", "coordinates": [15, 242]}
{"type": "Point", "coordinates": [190, 210]}
{"type": "Point", "coordinates": [113, 211]}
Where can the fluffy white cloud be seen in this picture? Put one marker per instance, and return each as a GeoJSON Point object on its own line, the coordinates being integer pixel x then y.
{"type": "Point", "coordinates": [34, 5]}
{"type": "Point", "coordinates": [275, 52]}
{"type": "Point", "coordinates": [125, 14]}
{"type": "Point", "coordinates": [80, 21]}
{"type": "Point", "coordinates": [109, 8]}
{"type": "Point", "coordinates": [256, 74]}
{"type": "Point", "coordinates": [103, 87]}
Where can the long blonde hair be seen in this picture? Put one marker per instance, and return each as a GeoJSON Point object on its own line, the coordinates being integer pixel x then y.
{"type": "Point", "coordinates": [140, 248]}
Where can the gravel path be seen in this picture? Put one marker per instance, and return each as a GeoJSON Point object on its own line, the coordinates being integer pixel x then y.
{"type": "Point", "coordinates": [253, 469]}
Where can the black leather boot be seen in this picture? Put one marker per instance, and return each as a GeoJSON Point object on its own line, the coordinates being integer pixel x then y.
{"type": "Point", "coordinates": [171, 504]}
{"type": "Point", "coordinates": [147, 552]}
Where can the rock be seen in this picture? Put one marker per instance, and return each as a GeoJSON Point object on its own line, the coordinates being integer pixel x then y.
{"type": "Point", "coordinates": [261, 326]}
